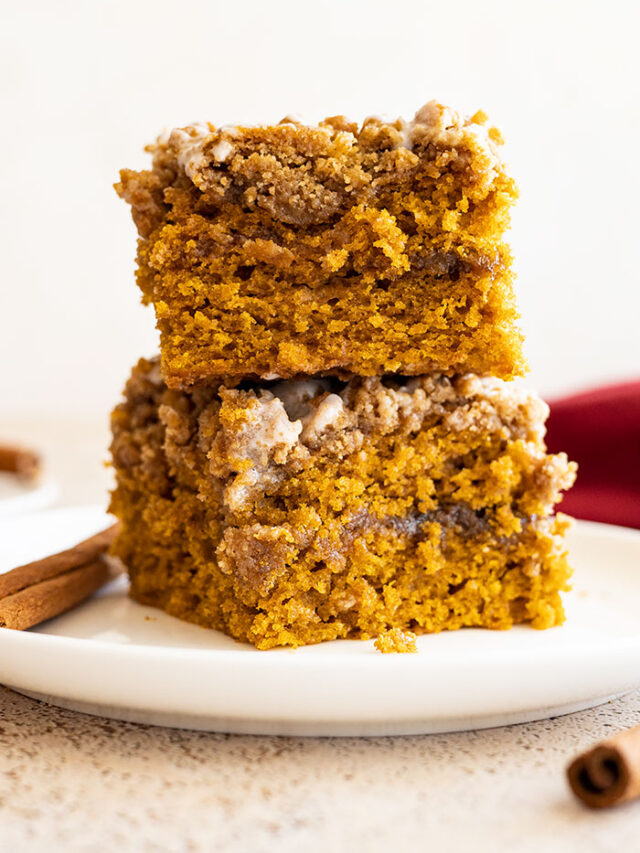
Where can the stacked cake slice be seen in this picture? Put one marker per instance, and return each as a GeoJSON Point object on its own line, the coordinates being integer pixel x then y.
{"type": "Point", "coordinates": [329, 445]}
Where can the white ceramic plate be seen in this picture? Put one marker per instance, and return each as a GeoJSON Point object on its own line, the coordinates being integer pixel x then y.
{"type": "Point", "coordinates": [19, 496]}
{"type": "Point", "coordinates": [118, 659]}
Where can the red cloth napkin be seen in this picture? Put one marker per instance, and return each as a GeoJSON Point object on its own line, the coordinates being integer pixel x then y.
{"type": "Point", "coordinates": [600, 430]}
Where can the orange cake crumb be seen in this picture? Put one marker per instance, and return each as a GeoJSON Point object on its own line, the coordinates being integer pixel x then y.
{"type": "Point", "coordinates": [396, 640]}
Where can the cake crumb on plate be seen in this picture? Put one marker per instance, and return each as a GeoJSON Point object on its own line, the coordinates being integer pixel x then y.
{"type": "Point", "coordinates": [396, 640]}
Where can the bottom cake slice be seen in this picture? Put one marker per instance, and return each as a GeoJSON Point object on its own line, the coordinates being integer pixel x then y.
{"type": "Point", "coordinates": [295, 512]}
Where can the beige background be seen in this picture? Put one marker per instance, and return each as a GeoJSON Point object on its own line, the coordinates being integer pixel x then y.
{"type": "Point", "coordinates": [85, 85]}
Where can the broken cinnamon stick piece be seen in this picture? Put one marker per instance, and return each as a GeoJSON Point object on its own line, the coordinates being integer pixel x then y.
{"type": "Point", "coordinates": [609, 773]}
{"type": "Point", "coordinates": [18, 460]}
{"type": "Point", "coordinates": [41, 570]}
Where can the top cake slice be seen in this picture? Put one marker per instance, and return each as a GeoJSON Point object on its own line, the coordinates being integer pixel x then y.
{"type": "Point", "coordinates": [287, 250]}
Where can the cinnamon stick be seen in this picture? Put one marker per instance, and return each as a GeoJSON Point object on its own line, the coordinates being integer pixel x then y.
{"type": "Point", "coordinates": [609, 773]}
{"type": "Point", "coordinates": [45, 588]}
{"type": "Point", "coordinates": [40, 570]}
{"type": "Point", "coordinates": [18, 460]}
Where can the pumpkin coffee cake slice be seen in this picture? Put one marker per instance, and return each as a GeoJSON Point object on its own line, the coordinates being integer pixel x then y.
{"type": "Point", "coordinates": [293, 512]}
{"type": "Point", "coordinates": [359, 250]}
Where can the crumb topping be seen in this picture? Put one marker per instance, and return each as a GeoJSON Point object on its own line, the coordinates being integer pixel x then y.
{"type": "Point", "coordinates": [187, 143]}
{"type": "Point", "coordinates": [199, 147]}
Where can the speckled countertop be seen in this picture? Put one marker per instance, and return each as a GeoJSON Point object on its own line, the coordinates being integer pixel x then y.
{"type": "Point", "coordinates": [70, 782]}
